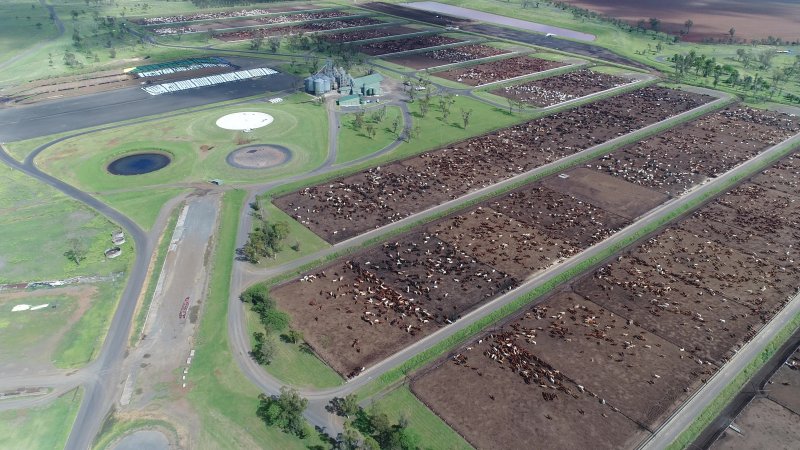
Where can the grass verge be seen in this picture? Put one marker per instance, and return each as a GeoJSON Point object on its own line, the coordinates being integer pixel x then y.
{"type": "Point", "coordinates": [142, 207]}
{"type": "Point", "coordinates": [354, 144]}
{"type": "Point", "coordinates": [42, 428]}
{"type": "Point", "coordinates": [224, 399]}
{"type": "Point", "coordinates": [161, 255]}
{"type": "Point", "coordinates": [431, 430]}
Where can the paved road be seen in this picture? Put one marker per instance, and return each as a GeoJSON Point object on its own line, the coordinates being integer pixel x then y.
{"type": "Point", "coordinates": [70, 114]}
{"type": "Point", "coordinates": [474, 14]}
{"type": "Point", "coordinates": [98, 398]}
{"type": "Point", "coordinates": [580, 48]}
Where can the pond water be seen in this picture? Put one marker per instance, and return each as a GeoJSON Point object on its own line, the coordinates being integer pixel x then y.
{"type": "Point", "coordinates": [139, 163]}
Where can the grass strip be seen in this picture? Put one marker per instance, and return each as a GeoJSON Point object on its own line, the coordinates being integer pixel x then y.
{"type": "Point", "coordinates": [163, 246]}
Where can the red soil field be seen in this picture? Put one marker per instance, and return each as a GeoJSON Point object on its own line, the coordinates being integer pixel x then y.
{"type": "Point", "coordinates": [712, 18]}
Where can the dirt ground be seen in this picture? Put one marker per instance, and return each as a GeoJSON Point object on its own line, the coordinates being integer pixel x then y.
{"type": "Point", "coordinates": [446, 56]}
{"type": "Point", "coordinates": [401, 45]}
{"type": "Point", "coordinates": [514, 396]}
{"type": "Point", "coordinates": [662, 317]}
{"type": "Point", "coordinates": [682, 157]}
{"type": "Point", "coordinates": [240, 35]}
{"type": "Point", "coordinates": [764, 424]}
{"type": "Point", "coordinates": [612, 194]}
{"type": "Point", "coordinates": [712, 19]}
{"type": "Point", "coordinates": [345, 207]}
{"type": "Point", "coordinates": [225, 24]}
{"type": "Point", "coordinates": [358, 35]}
{"type": "Point", "coordinates": [222, 14]}
{"type": "Point", "coordinates": [356, 312]}
{"type": "Point", "coordinates": [576, 350]}
{"type": "Point", "coordinates": [558, 89]}
{"type": "Point", "coordinates": [493, 71]}
{"type": "Point", "coordinates": [784, 387]}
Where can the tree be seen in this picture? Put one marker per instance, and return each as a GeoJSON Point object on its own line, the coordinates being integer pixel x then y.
{"type": "Point", "coordinates": [276, 320]}
{"type": "Point", "coordinates": [717, 74]}
{"type": "Point", "coordinates": [76, 251]}
{"type": "Point", "coordinates": [349, 405]}
{"type": "Point", "coordinates": [654, 23]}
{"type": "Point", "coordinates": [424, 106]}
{"type": "Point", "coordinates": [732, 31]}
{"type": "Point", "coordinates": [465, 115]}
{"type": "Point", "coordinates": [284, 411]}
{"type": "Point", "coordinates": [688, 24]}
{"type": "Point", "coordinates": [274, 43]}
{"type": "Point", "coordinates": [358, 120]}
{"type": "Point", "coordinates": [294, 336]}
{"type": "Point", "coordinates": [370, 129]}
{"type": "Point", "coordinates": [264, 349]}
{"type": "Point", "coordinates": [395, 124]}
{"type": "Point", "coordinates": [256, 43]}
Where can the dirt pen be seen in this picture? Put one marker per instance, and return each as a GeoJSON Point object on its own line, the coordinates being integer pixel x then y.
{"type": "Point", "coordinates": [663, 317]}
{"type": "Point", "coordinates": [348, 206]}
{"type": "Point", "coordinates": [450, 55]}
{"type": "Point", "coordinates": [494, 71]}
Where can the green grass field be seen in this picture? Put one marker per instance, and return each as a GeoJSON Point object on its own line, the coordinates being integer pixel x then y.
{"type": "Point", "coordinates": [143, 206]}
{"type": "Point", "coordinates": [197, 146]}
{"type": "Point", "coordinates": [432, 431]}
{"type": "Point", "coordinates": [22, 331]}
{"type": "Point", "coordinates": [298, 235]}
{"type": "Point", "coordinates": [225, 400]}
{"type": "Point", "coordinates": [84, 340]}
{"type": "Point", "coordinates": [293, 366]}
{"type": "Point", "coordinates": [42, 428]}
{"type": "Point", "coordinates": [354, 144]}
{"type": "Point", "coordinates": [27, 205]}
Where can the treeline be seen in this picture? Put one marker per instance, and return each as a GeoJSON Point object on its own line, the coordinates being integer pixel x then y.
{"type": "Point", "coordinates": [370, 429]}
{"type": "Point", "coordinates": [274, 322]}
{"type": "Point", "coordinates": [758, 84]}
{"type": "Point", "coordinates": [266, 240]}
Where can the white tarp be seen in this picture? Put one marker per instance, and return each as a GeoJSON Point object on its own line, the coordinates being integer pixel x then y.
{"type": "Point", "coordinates": [158, 89]}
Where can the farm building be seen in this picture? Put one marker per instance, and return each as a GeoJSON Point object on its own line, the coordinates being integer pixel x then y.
{"type": "Point", "coordinates": [349, 100]}
{"type": "Point", "coordinates": [367, 85]}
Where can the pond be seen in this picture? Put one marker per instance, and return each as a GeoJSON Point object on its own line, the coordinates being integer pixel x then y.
{"type": "Point", "coordinates": [139, 163]}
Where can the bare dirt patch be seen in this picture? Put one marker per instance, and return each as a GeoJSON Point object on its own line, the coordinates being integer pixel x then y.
{"type": "Point", "coordinates": [765, 424]}
{"type": "Point", "coordinates": [259, 156]}
{"type": "Point", "coordinates": [612, 194]}
{"type": "Point", "coordinates": [498, 70]}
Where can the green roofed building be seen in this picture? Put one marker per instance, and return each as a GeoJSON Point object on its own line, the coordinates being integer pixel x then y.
{"type": "Point", "coordinates": [349, 100]}
{"type": "Point", "coordinates": [368, 85]}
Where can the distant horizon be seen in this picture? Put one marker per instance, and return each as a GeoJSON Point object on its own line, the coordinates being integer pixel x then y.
{"type": "Point", "coordinates": [711, 18]}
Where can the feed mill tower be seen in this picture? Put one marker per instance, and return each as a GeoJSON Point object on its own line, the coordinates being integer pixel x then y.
{"type": "Point", "coordinates": [327, 79]}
